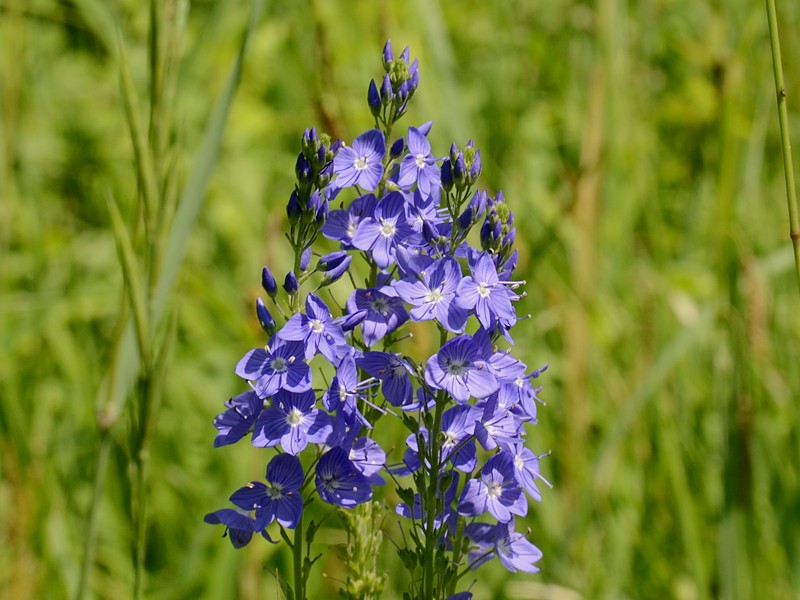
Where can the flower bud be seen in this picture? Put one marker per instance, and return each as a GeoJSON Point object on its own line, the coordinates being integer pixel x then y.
{"type": "Point", "coordinates": [397, 148]}
{"type": "Point", "coordinates": [336, 271]}
{"type": "Point", "coordinates": [387, 94]}
{"type": "Point", "coordinates": [268, 282]}
{"type": "Point", "coordinates": [475, 169]}
{"type": "Point", "coordinates": [405, 55]}
{"type": "Point", "coordinates": [302, 169]}
{"type": "Point", "coordinates": [465, 219]}
{"type": "Point", "coordinates": [305, 259]}
{"type": "Point", "coordinates": [293, 209]}
{"type": "Point", "coordinates": [264, 317]}
{"type": "Point", "coordinates": [388, 55]}
{"type": "Point", "coordinates": [459, 169]}
{"type": "Point", "coordinates": [290, 284]}
{"type": "Point", "coordinates": [447, 175]}
{"type": "Point", "coordinates": [374, 99]}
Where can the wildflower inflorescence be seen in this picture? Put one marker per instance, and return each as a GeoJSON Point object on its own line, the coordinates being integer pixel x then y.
{"type": "Point", "coordinates": [465, 407]}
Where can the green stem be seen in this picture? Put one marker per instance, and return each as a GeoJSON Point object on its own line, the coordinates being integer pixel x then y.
{"type": "Point", "coordinates": [297, 558]}
{"type": "Point", "coordinates": [433, 484]}
{"type": "Point", "coordinates": [783, 117]}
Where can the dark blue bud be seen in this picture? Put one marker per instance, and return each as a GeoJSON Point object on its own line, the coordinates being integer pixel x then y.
{"type": "Point", "coordinates": [406, 55]}
{"type": "Point", "coordinates": [499, 197]}
{"type": "Point", "coordinates": [313, 202]}
{"type": "Point", "coordinates": [486, 233]}
{"type": "Point", "coordinates": [478, 203]}
{"type": "Point", "coordinates": [321, 153]}
{"type": "Point", "coordinates": [331, 260]}
{"type": "Point", "coordinates": [293, 209]}
{"type": "Point", "coordinates": [322, 213]}
{"type": "Point", "coordinates": [430, 233]}
{"type": "Point", "coordinates": [465, 219]}
{"type": "Point", "coordinates": [374, 99]}
{"type": "Point", "coordinates": [264, 317]}
{"type": "Point", "coordinates": [387, 94]}
{"type": "Point", "coordinates": [290, 284]}
{"type": "Point", "coordinates": [453, 152]}
{"type": "Point", "coordinates": [470, 144]}
{"type": "Point", "coordinates": [510, 219]}
{"type": "Point", "coordinates": [510, 238]}
{"type": "Point", "coordinates": [388, 55]}
{"type": "Point", "coordinates": [414, 72]}
{"type": "Point", "coordinates": [305, 259]}
{"type": "Point", "coordinates": [302, 169]}
{"type": "Point", "coordinates": [268, 282]}
{"type": "Point", "coordinates": [351, 321]}
{"type": "Point", "coordinates": [336, 146]}
{"type": "Point", "coordinates": [459, 168]}
{"type": "Point", "coordinates": [398, 147]}
{"type": "Point", "coordinates": [447, 175]}
{"type": "Point", "coordinates": [475, 169]}
{"type": "Point", "coordinates": [497, 230]}
{"type": "Point", "coordinates": [336, 271]}
{"type": "Point", "coordinates": [404, 91]}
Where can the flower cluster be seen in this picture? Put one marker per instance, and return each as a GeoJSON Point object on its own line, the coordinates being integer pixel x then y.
{"type": "Point", "coordinates": [466, 407]}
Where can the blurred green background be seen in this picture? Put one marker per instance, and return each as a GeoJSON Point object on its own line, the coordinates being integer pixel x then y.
{"type": "Point", "coordinates": [637, 143]}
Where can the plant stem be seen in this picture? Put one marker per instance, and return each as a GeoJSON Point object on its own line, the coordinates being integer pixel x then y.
{"type": "Point", "coordinates": [297, 558]}
{"type": "Point", "coordinates": [433, 484]}
{"type": "Point", "coordinates": [786, 144]}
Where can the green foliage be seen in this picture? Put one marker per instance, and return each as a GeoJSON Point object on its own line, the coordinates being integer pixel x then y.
{"type": "Point", "coordinates": [638, 146]}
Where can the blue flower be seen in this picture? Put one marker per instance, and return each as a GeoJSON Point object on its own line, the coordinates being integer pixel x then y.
{"type": "Point", "coordinates": [385, 230]}
{"type": "Point", "coordinates": [496, 491]}
{"type": "Point", "coordinates": [361, 164]}
{"type": "Point", "coordinates": [238, 420]}
{"type": "Point", "coordinates": [432, 294]}
{"type": "Point", "coordinates": [526, 469]}
{"type": "Point", "coordinates": [292, 421]}
{"type": "Point", "coordinates": [278, 366]}
{"type": "Point", "coordinates": [514, 550]}
{"type": "Point", "coordinates": [316, 329]}
{"type": "Point", "coordinates": [281, 499]}
{"type": "Point", "coordinates": [343, 224]}
{"type": "Point", "coordinates": [484, 292]}
{"type": "Point", "coordinates": [419, 165]}
{"type": "Point", "coordinates": [384, 313]}
{"type": "Point", "coordinates": [339, 481]}
{"type": "Point", "coordinates": [239, 524]}
{"type": "Point", "coordinates": [459, 369]}
{"type": "Point", "coordinates": [495, 425]}
{"type": "Point", "coordinates": [393, 372]}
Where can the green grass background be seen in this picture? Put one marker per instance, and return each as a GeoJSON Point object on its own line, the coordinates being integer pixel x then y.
{"type": "Point", "coordinates": [637, 143]}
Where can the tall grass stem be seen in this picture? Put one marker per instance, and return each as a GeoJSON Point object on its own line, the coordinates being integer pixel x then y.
{"type": "Point", "coordinates": [786, 144]}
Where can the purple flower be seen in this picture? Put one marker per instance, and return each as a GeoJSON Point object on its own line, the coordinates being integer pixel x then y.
{"type": "Point", "coordinates": [384, 313]}
{"type": "Point", "coordinates": [526, 469]}
{"type": "Point", "coordinates": [316, 329]}
{"type": "Point", "coordinates": [281, 500]}
{"type": "Point", "coordinates": [419, 165]}
{"type": "Point", "coordinates": [369, 458]}
{"type": "Point", "coordinates": [239, 524]}
{"type": "Point", "coordinates": [339, 481]}
{"type": "Point", "coordinates": [495, 425]}
{"type": "Point", "coordinates": [496, 491]}
{"type": "Point", "coordinates": [393, 372]}
{"type": "Point", "coordinates": [238, 420]}
{"type": "Point", "coordinates": [343, 224]}
{"type": "Point", "coordinates": [277, 366]}
{"type": "Point", "coordinates": [361, 164]}
{"type": "Point", "coordinates": [381, 233]}
{"type": "Point", "coordinates": [292, 421]}
{"type": "Point", "coordinates": [432, 294]}
{"type": "Point", "coordinates": [514, 550]}
{"type": "Point", "coordinates": [346, 389]}
{"type": "Point", "coordinates": [457, 445]}
{"type": "Point", "coordinates": [459, 369]}
{"type": "Point", "coordinates": [484, 292]}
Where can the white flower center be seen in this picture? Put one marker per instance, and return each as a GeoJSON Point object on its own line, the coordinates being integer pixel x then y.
{"type": "Point", "coordinates": [317, 326]}
{"type": "Point", "coordinates": [518, 462]}
{"type": "Point", "coordinates": [449, 439]}
{"type": "Point", "coordinates": [274, 490]}
{"type": "Point", "coordinates": [519, 381]}
{"type": "Point", "coordinates": [278, 363]}
{"type": "Point", "coordinates": [420, 160]}
{"type": "Point", "coordinates": [295, 417]}
{"type": "Point", "coordinates": [360, 163]}
{"type": "Point", "coordinates": [484, 290]}
{"type": "Point", "coordinates": [456, 368]}
{"type": "Point", "coordinates": [342, 393]}
{"type": "Point", "coordinates": [351, 229]}
{"type": "Point", "coordinates": [494, 490]}
{"type": "Point", "coordinates": [388, 228]}
{"type": "Point", "coordinates": [434, 296]}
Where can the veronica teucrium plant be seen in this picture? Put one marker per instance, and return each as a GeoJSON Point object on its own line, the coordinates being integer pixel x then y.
{"type": "Point", "coordinates": [420, 244]}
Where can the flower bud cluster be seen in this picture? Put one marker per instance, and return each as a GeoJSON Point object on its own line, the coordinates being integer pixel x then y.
{"type": "Point", "coordinates": [466, 408]}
